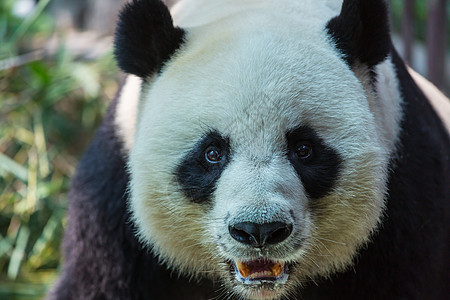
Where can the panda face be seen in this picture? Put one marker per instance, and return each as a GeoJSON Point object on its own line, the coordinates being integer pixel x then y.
{"type": "Point", "coordinates": [257, 158]}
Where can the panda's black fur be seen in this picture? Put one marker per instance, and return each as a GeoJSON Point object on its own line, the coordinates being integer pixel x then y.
{"type": "Point", "coordinates": [407, 258]}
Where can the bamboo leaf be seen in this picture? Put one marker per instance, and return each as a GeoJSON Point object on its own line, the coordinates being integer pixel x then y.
{"type": "Point", "coordinates": [46, 235]}
{"type": "Point", "coordinates": [10, 166]}
{"type": "Point", "coordinates": [41, 146]}
{"type": "Point", "coordinates": [26, 24]}
{"type": "Point", "coordinates": [18, 252]}
{"type": "Point", "coordinates": [5, 245]}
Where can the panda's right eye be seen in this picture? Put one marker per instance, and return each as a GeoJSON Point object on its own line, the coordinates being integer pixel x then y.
{"type": "Point", "coordinates": [213, 155]}
{"type": "Point", "coordinates": [200, 168]}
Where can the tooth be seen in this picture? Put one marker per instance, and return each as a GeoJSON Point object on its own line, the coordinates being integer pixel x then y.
{"type": "Point", "coordinates": [244, 270]}
{"type": "Point", "coordinates": [260, 274]}
{"type": "Point", "coordinates": [277, 269]}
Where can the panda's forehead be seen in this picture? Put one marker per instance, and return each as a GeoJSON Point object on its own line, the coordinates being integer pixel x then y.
{"type": "Point", "coordinates": [195, 13]}
{"type": "Point", "coordinates": [252, 83]}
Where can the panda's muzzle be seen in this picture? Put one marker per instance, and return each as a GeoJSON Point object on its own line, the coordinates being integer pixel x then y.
{"type": "Point", "coordinates": [260, 235]}
{"type": "Point", "coordinates": [262, 270]}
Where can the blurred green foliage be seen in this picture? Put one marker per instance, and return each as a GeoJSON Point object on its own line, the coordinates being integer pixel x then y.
{"type": "Point", "coordinates": [420, 17]}
{"type": "Point", "coordinates": [396, 7]}
{"type": "Point", "coordinates": [50, 105]}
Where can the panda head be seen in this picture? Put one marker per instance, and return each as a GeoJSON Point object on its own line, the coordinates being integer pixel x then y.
{"type": "Point", "coordinates": [257, 158]}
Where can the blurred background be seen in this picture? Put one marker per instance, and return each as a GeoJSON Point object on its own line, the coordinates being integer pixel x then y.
{"type": "Point", "coordinates": [57, 77]}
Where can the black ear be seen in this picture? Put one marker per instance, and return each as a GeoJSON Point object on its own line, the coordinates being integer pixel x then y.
{"type": "Point", "coordinates": [145, 37]}
{"type": "Point", "coordinates": [361, 31]}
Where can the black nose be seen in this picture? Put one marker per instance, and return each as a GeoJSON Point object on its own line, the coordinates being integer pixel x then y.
{"type": "Point", "coordinates": [258, 235]}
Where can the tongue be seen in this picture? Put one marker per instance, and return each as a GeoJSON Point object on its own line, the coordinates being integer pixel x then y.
{"type": "Point", "coordinates": [260, 269]}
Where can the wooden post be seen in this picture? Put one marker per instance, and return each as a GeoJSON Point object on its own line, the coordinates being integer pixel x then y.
{"type": "Point", "coordinates": [436, 41]}
{"type": "Point", "coordinates": [407, 29]}
{"type": "Point", "coordinates": [99, 16]}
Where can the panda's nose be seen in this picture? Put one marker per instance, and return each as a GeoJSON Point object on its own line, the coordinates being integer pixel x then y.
{"type": "Point", "coordinates": [258, 235]}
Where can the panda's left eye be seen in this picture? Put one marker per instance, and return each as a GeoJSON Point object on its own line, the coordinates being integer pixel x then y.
{"type": "Point", "coordinates": [304, 150]}
{"type": "Point", "coordinates": [213, 155]}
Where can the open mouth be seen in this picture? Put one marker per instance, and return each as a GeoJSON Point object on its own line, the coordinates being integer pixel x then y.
{"type": "Point", "coordinates": [261, 271]}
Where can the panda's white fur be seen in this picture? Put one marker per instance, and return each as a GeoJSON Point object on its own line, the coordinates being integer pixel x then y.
{"type": "Point", "coordinates": [248, 76]}
{"type": "Point", "coordinates": [127, 108]}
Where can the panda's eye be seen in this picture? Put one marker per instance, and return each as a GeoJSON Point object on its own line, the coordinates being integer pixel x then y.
{"type": "Point", "coordinates": [303, 150]}
{"type": "Point", "coordinates": [212, 155]}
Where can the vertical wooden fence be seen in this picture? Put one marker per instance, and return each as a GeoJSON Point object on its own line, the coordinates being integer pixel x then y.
{"type": "Point", "coordinates": [436, 38]}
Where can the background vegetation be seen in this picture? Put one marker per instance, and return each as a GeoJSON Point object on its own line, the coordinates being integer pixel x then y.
{"type": "Point", "coordinates": [51, 101]}
{"type": "Point", "coordinates": [50, 104]}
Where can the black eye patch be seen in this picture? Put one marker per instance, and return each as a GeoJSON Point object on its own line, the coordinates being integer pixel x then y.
{"type": "Point", "coordinates": [200, 169]}
{"type": "Point", "coordinates": [316, 163]}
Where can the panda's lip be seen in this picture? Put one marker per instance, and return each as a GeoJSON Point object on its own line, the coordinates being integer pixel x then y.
{"type": "Point", "coordinates": [260, 270]}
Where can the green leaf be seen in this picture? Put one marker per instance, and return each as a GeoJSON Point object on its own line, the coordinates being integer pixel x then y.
{"type": "Point", "coordinates": [18, 252]}
{"type": "Point", "coordinates": [10, 166]}
{"type": "Point", "coordinates": [26, 24]}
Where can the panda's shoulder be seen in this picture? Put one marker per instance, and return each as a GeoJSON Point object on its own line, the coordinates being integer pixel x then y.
{"type": "Point", "coordinates": [109, 148]}
{"type": "Point", "coordinates": [440, 103]}
{"type": "Point", "coordinates": [103, 157]}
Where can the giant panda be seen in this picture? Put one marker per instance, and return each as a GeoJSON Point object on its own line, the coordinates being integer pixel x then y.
{"type": "Point", "coordinates": [261, 149]}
